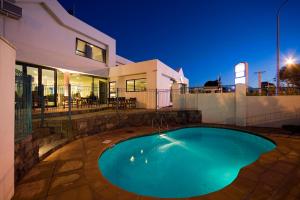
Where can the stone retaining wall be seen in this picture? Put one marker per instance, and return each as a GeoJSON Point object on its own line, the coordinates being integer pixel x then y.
{"type": "Point", "coordinates": [26, 156]}
{"type": "Point", "coordinates": [98, 124]}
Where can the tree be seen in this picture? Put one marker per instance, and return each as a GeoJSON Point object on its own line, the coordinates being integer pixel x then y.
{"type": "Point", "coordinates": [290, 74]}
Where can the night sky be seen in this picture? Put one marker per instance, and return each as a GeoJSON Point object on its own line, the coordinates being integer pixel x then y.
{"type": "Point", "coordinates": [205, 37]}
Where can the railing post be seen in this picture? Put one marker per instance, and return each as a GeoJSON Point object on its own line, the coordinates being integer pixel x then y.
{"type": "Point", "coordinates": [42, 104]}
{"type": "Point", "coordinates": [69, 101]}
{"type": "Point", "coordinates": [29, 103]}
{"type": "Point", "coordinates": [156, 99]}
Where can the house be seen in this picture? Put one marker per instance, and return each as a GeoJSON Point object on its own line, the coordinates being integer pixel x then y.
{"type": "Point", "coordinates": [151, 82]}
{"type": "Point", "coordinates": [213, 86]}
{"type": "Point", "coordinates": [62, 53]}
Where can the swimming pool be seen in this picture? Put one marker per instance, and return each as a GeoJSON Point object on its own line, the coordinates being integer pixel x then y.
{"type": "Point", "coordinates": [181, 163]}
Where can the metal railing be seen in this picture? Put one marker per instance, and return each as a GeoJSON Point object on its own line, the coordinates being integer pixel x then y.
{"type": "Point", "coordinates": [23, 100]}
{"type": "Point", "coordinates": [212, 89]}
{"type": "Point", "coordinates": [271, 91]}
{"type": "Point", "coordinates": [159, 122]}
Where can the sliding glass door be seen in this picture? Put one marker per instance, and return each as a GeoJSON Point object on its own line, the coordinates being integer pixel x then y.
{"type": "Point", "coordinates": [48, 80]}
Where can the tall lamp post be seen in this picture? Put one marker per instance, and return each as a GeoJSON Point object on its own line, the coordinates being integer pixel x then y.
{"type": "Point", "coordinates": [278, 47]}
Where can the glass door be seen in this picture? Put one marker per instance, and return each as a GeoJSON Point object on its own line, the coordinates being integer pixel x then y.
{"type": "Point", "coordinates": [34, 73]}
{"type": "Point", "coordinates": [48, 80]}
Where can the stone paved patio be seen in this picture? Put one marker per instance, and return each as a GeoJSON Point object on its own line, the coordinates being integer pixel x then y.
{"type": "Point", "coordinates": [72, 172]}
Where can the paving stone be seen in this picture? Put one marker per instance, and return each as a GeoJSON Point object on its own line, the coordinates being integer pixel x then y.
{"type": "Point", "coordinates": [32, 190]}
{"type": "Point", "coordinates": [272, 178]}
{"type": "Point", "coordinates": [283, 167]}
{"type": "Point", "coordinates": [261, 192]}
{"type": "Point", "coordinates": [79, 193]}
{"type": "Point", "coordinates": [65, 182]}
{"type": "Point", "coordinates": [43, 170]}
{"type": "Point", "coordinates": [70, 166]}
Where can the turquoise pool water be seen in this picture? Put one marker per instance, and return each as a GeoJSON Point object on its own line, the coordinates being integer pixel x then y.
{"type": "Point", "coordinates": [182, 163]}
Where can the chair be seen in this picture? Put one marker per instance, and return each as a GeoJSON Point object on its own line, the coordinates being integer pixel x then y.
{"type": "Point", "coordinates": [131, 102]}
{"type": "Point", "coordinates": [72, 102]}
{"type": "Point", "coordinates": [111, 101]}
{"type": "Point", "coordinates": [121, 102]}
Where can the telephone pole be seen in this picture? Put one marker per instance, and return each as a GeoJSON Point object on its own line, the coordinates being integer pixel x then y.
{"type": "Point", "coordinates": [259, 74]}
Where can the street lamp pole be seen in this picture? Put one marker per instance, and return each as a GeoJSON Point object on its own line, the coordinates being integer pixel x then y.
{"type": "Point", "coordinates": [278, 47]}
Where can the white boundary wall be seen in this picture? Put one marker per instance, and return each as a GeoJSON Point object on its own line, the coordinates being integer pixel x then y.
{"type": "Point", "coordinates": [215, 107]}
{"type": "Point", "coordinates": [7, 111]}
{"type": "Point", "coordinates": [239, 109]}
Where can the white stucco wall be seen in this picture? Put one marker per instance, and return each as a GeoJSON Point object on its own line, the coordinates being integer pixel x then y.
{"type": "Point", "coordinates": [215, 107]}
{"type": "Point", "coordinates": [7, 86]}
{"type": "Point", "coordinates": [273, 111]}
{"type": "Point", "coordinates": [122, 61]}
{"type": "Point", "coordinates": [239, 109]}
{"type": "Point", "coordinates": [158, 77]}
{"type": "Point", "coordinates": [146, 69]}
{"type": "Point", "coordinates": [46, 35]}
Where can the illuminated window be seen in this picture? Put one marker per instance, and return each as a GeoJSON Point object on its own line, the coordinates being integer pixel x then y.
{"type": "Point", "coordinates": [112, 89]}
{"type": "Point", "coordinates": [90, 51]}
{"type": "Point", "coordinates": [136, 85]}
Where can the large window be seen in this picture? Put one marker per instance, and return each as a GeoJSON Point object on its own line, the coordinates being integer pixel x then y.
{"type": "Point", "coordinates": [90, 51]}
{"type": "Point", "coordinates": [41, 76]}
{"type": "Point", "coordinates": [136, 85]}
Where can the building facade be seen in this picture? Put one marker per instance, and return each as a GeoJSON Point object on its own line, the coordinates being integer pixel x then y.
{"type": "Point", "coordinates": [59, 50]}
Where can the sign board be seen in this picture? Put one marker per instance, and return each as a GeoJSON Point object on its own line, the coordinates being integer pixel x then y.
{"type": "Point", "coordinates": [241, 73]}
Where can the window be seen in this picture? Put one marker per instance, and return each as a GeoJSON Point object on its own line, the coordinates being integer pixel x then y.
{"type": "Point", "coordinates": [112, 89]}
{"type": "Point", "coordinates": [90, 51]}
{"type": "Point", "coordinates": [130, 86]}
{"type": "Point", "coordinates": [136, 85]}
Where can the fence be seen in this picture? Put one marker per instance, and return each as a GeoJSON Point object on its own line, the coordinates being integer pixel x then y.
{"type": "Point", "coordinates": [23, 106]}
{"type": "Point", "coordinates": [271, 91]}
{"type": "Point", "coordinates": [240, 108]}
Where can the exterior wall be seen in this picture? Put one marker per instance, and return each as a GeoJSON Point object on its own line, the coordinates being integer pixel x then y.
{"type": "Point", "coordinates": [146, 69]}
{"type": "Point", "coordinates": [1, 25]}
{"type": "Point", "coordinates": [239, 109]}
{"type": "Point", "coordinates": [122, 61]}
{"type": "Point", "coordinates": [164, 76]}
{"type": "Point", "coordinates": [273, 111]}
{"type": "Point", "coordinates": [144, 99]}
{"type": "Point", "coordinates": [215, 107]}
{"type": "Point", "coordinates": [46, 35]}
{"type": "Point", "coordinates": [7, 84]}
{"type": "Point", "coordinates": [240, 105]}
{"type": "Point", "coordinates": [158, 77]}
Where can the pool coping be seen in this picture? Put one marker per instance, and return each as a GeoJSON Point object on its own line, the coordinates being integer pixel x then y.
{"type": "Point", "coordinates": [226, 191]}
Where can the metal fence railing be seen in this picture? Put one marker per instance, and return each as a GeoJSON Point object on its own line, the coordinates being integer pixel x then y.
{"type": "Point", "coordinates": [23, 106]}
{"type": "Point", "coordinates": [271, 91]}
{"type": "Point", "coordinates": [212, 89]}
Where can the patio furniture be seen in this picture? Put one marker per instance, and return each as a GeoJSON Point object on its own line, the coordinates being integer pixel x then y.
{"type": "Point", "coordinates": [131, 102]}
{"type": "Point", "coordinates": [74, 101]}
{"type": "Point", "coordinates": [111, 101]}
{"type": "Point", "coordinates": [36, 101]}
{"type": "Point", "coordinates": [121, 102]}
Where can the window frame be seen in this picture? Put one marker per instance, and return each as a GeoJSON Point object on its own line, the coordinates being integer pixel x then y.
{"type": "Point", "coordinates": [134, 89]}
{"type": "Point", "coordinates": [109, 92]}
{"type": "Point", "coordinates": [84, 52]}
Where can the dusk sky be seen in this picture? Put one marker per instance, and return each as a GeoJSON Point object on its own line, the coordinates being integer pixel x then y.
{"type": "Point", "coordinates": [205, 37]}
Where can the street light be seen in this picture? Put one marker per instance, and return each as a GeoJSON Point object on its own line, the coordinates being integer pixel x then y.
{"type": "Point", "coordinates": [290, 61]}
{"type": "Point", "coordinates": [278, 46]}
